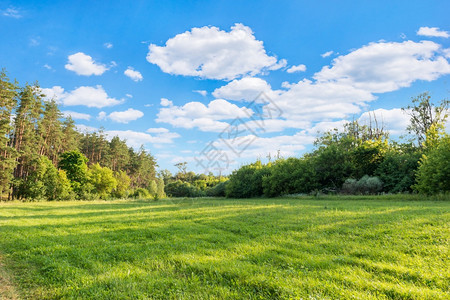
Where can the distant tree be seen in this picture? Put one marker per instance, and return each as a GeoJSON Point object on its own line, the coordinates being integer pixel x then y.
{"type": "Point", "coordinates": [70, 136]}
{"type": "Point", "coordinates": [160, 189]}
{"type": "Point", "coordinates": [423, 114]}
{"type": "Point", "coordinates": [123, 183]}
{"type": "Point", "coordinates": [74, 163]}
{"type": "Point", "coordinates": [26, 141]}
{"type": "Point", "coordinates": [119, 154]}
{"type": "Point", "coordinates": [166, 176]}
{"type": "Point", "coordinates": [141, 168]}
{"type": "Point", "coordinates": [433, 175]}
{"type": "Point", "coordinates": [153, 188]}
{"type": "Point", "coordinates": [102, 179]}
{"type": "Point", "coordinates": [398, 169]}
{"type": "Point", "coordinates": [46, 182]}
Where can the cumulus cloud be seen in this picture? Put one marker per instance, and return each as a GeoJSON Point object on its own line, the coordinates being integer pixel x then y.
{"type": "Point", "coordinates": [55, 93]}
{"type": "Point", "coordinates": [133, 74]}
{"type": "Point", "coordinates": [125, 116]}
{"type": "Point", "coordinates": [245, 89]}
{"type": "Point", "coordinates": [206, 118]}
{"type": "Point", "coordinates": [432, 32]}
{"type": "Point", "coordinates": [393, 120]}
{"type": "Point", "coordinates": [346, 87]}
{"type": "Point", "coordinates": [76, 115]}
{"type": "Point", "coordinates": [209, 52]}
{"type": "Point", "coordinates": [85, 95]}
{"type": "Point", "coordinates": [83, 64]}
{"type": "Point", "coordinates": [166, 102]}
{"type": "Point", "coordinates": [299, 68]}
{"type": "Point", "coordinates": [386, 66]}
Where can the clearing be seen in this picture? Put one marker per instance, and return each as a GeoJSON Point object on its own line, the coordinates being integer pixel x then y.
{"type": "Point", "coordinates": [327, 248]}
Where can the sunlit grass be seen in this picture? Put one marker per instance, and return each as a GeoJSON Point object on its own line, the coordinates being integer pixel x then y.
{"type": "Point", "coordinates": [326, 248]}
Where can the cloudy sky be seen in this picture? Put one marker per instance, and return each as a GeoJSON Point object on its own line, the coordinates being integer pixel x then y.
{"type": "Point", "coordinates": [181, 77]}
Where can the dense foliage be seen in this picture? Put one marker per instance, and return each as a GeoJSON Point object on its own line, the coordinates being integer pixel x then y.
{"type": "Point", "coordinates": [43, 156]}
{"type": "Point", "coordinates": [359, 159]}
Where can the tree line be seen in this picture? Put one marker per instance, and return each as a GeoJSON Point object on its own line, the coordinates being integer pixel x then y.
{"type": "Point", "coordinates": [43, 156]}
{"type": "Point", "coordinates": [360, 159]}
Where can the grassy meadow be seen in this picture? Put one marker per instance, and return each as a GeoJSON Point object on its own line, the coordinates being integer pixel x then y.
{"type": "Point", "coordinates": [287, 248]}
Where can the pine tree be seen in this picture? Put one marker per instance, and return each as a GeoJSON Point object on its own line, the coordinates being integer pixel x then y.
{"type": "Point", "coordinates": [8, 94]}
{"type": "Point", "coordinates": [50, 132]}
{"type": "Point", "coordinates": [26, 140]}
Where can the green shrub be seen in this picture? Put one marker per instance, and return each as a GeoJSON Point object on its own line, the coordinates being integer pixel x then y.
{"type": "Point", "coordinates": [433, 175]}
{"type": "Point", "coordinates": [183, 189]}
{"type": "Point", "coordinates": [366, 186]}
{"type": "Point", "coordinates": [247, 181]}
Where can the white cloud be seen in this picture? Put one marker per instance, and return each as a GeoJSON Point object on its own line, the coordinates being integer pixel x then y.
{"type": "Point", "coordinates": [166, 102]}
{"type": "Point", "coordinates": [133, 74]}
{"type": "Point", "coordinates": [125, 116]}
{"type": "Point", "coordinates": [83, 64]}
{"type": "Point", "coordinates": [76, 115]}
{"type": "Point", "coordinates": [48, 67]}
{"type": "Point", "coordinates": [11, 12]}
{"type": "Point", "coordinates": [393, 120]}
{"type": "Point", "coordinates": [386, 66]}
{"type": "Point", "coordinates": [201, 92]}
{"type": "Point", "coordinates": [136, 139]}
{"type": "Point", "coordinates": [326, 54]}
{"type": "Point", "coordinates": [446, 52]}
{"type": "Point", "coordinates": [197, 115]}
{"type": "Point", "coordinates": [209, 52]}
{"type": "Point", "coordinates": [129, 95]}
{"type": "Point", "coordinates": [245, 89]}
{"type": "Point", "coordinates": [342, 89]}
{"type": "Point", "coordinates": [158, 130]}
{"type": "Point", "coordinates": [84, 95]}
{"type": "Point", "coordinates": [299, 68]}
{"type": "Point", "coordinates": [102, 116]}
{"type": "Point", "coordinates": [108, 45]}
{"type": "Point", "coordinates": [55, 93]}
{"type": "Point", "coordinates": [432, 32]}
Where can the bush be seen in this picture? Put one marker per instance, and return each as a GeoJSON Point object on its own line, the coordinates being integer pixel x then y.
{"type": "Point", "coordinates": [102, 179]}
{"type": "Point", "coordinates": [46, 182]}
{"type": "Point", "coordinates": [398, 170]}
{"type": "Point", "coordinates": [290, 176]}
{"type": "Point", "coordinates": [247, 181]}
{"type": "Point", "coordinates": [217, 190]}
{"type": "Point", "coordinates": [433, 175]}
{"type": "Point", "coordinates": [141, 193]}
{"type": "Point", "coordinates": [366, 185]}
{"type": "Point", "coordinates": [123, 184]}
{"type": "Point", "coordinates": [183, 189]}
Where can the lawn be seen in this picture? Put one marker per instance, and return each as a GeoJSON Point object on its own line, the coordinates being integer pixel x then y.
{"type": "Point", "coordinates": [326, 248]}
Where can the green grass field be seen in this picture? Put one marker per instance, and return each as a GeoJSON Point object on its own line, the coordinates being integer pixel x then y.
{"type": "Point", "coordinates": [328, 248]}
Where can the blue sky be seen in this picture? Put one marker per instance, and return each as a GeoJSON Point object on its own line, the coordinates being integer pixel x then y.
{"type": "Point", "coordinates": [173, 75]}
